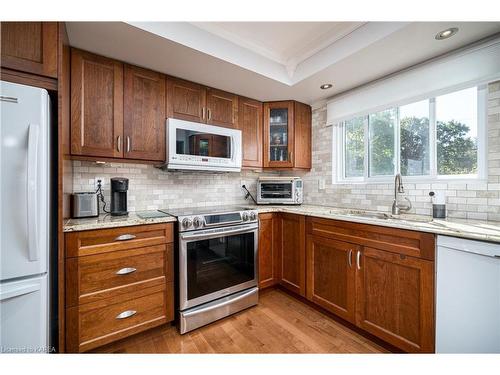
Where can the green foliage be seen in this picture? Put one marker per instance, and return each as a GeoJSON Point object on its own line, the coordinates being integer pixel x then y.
{"type": "Point", "coordinates": [456, 151]}
{"type": "Point", "coordinates": [382, 143]}
{"type": "Point", "coordinates": [414, 146]}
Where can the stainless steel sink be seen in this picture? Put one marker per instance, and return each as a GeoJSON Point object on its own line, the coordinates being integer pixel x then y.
{"type": "Point", "coordinates": [367, 214]}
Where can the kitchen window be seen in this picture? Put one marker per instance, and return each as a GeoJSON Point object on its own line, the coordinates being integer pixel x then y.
{"type": "Point", "coordinates": [437, 138]}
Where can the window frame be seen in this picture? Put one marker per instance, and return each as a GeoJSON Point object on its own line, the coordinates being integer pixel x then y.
{"type": "Point", "coordinates": [481, 175]}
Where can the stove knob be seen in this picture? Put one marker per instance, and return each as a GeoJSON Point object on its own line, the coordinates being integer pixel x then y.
{"type": "Point", "coordinates": [197, 222]}
{"type": "Point", "coordinates": [253, 216]}
{"type": "Point", "coordinates": [186, 222]}
{"type": "Point", "coordinates": [245, 216]}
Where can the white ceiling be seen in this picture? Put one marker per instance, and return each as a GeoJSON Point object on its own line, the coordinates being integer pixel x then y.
{"type": "Point", "coordinates": [275, 60]}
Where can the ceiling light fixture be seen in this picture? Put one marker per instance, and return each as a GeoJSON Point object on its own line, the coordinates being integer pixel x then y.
{"type": "Point", "coordinates": [326, 86]}
{"type": "Point", "coordinates": [445, 34]}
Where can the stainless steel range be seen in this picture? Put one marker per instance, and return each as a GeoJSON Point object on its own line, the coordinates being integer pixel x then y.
{"type": "Point", "coordinates": [218, 251]}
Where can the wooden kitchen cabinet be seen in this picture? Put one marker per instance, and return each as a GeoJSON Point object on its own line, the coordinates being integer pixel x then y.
{"type": "Point", "coordinates": [250, 124]}
{"type": "Point", "coordinates": [222, 108]}
{"type": "Point", "coordinates": [381, 279]}
{"type": "Point", "coordinates": [96, 105]}
{"type": "Point", "coordinates": [30, 47]}
{"type": "Point", "coordinates": [287, 135]}
{"type": "Point", "coordinates": [118, 282]}
{"type": "Point", "coordinates": [292, 252]}
{"type": "Point", "coordinates": [331, 275]}
{"type": "Point", "coordinates": [185, 100]}
{"type": "Point", "coordinates": [395, 299]}
{"type": "Point", "coordinates": [144, 114]}
{"type": "Point", "coordinates": [269, 250]}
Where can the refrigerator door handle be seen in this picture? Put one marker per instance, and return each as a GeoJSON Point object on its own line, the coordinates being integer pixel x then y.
{"type": "Point", "coordinates": [32, 199]}
{"type": "Point", "coordinates": [17, 292]}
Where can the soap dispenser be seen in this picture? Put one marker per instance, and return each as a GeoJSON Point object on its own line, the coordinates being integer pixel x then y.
{"type": "Point", "coordinates": [438, 204]}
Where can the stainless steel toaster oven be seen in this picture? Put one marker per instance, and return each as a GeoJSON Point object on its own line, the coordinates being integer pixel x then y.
{"type": "Point", "coordinates": [279, 190]}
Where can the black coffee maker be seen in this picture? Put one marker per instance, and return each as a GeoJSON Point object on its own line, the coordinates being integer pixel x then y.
{"type": "Point", "coordinates": [119, 187]}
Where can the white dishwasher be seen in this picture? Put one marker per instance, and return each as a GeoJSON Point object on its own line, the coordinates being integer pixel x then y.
{"type": "Point", "coordinates": [467, 296]}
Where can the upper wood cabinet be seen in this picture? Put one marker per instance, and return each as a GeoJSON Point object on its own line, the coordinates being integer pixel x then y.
{"type": "Point", "coordinates": [30, 47]}
{"type": "Point", "coordinates": [395, 299]}
{"type": "Point", "coordinates": [193, 102]}
{"type": "Point", "coordinates": [331, 275]}
{"type": "Point", "coordinates": [250, 124]}
{"type": "Point", "coordinates": [144, 114]}
{"type": "Point", "coordinates": [185, 100]}
{"type": "Point", "coordinates": [222, 108]}
{"type": "Point", "coordinates": [287, 135]}
{"type": "Point", "coordinates": [96, 105]}
{"type": "Point", "coordinates": [292, 252]}
{"type": "Point", "coordinates": [269, 248]}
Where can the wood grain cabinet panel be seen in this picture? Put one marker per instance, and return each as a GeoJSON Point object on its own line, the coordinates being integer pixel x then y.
{"type": "Point", "coordinates": [144, 114]}
{"type": "Point", "coordinates": [30, 47]}
{"type": "Point", "coordinates": [331, 275]}
{"type": "Point", "coordinates": [185, 100]}
{"type": "Point", "coordinates": [96, 105]}
{"type": "Point", "coordinates": [250, 124]}
{"type": "Point", "coordinates": [302, 157]}
{"type": "Point", "coordinates": [293, 252]}
{"type": "Point", "coordinates": [95, 324]}
{"type": "Point", "coordinates": [269, 248]}
{"type": "Point", "coordinates": [395, 299]}
{"type": "Point", "coordinates": [222, 108]}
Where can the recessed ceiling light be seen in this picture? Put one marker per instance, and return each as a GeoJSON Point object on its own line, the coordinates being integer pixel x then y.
{"type": "Point", "coordinates": [445, 34]}
{"type": "Point", "coordinates": [326, 86]}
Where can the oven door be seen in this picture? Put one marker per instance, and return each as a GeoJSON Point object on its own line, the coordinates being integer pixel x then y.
{"type": "Point", "coordinates": [214, 263]}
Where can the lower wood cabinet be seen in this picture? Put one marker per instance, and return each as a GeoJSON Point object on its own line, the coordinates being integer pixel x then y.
{"type": "Point", "coordinates": [377, 278]}
{"type": "Point", "coordinates": [395, 299]}
{"type": "Point", "coordinates": [118, 282]}
{"type": "Point", "coordinates": [293, 252]}
{"type": "Point", "coordinates": [331, 275]}
{"type": "Point", "coordinates": [269, 250]}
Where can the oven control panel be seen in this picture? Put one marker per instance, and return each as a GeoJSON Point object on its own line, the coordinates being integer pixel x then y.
{"type": "Point", "coordinates": [197, 222]}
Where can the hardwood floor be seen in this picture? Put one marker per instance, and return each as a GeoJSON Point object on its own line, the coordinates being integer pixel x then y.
{"type": "Point", "coordinates": [279, 324]}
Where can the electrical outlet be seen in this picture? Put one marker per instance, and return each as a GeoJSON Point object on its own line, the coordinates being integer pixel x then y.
{"type": "Point", "coordinates": [321, 184]}
{"type": "Point", "coordinates": [103, 182]}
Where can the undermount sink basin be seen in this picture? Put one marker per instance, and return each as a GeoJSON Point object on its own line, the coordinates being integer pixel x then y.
{"type": "Point", "coordinates": [369, 214]}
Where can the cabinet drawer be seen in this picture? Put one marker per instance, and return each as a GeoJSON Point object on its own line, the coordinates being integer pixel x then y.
{"type": "Point", "coordinates": [108, 240]}
{"type": "Point", "coordinates": [96, 324]}
{"type": "Point", "coordinates": [92, 278]}
{"type": "Point", "coordinates": [401, 241]}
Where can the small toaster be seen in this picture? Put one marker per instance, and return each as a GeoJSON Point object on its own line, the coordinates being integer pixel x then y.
{"type": "Point", "coordinates": [84, 204]}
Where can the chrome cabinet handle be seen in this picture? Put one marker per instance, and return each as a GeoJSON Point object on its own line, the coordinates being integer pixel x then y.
{"type": "Point", "coordinates": [349, 258]}
{"type": "Point", "coordinates": [358, 260]}
{"type": "Point", "coordinates": [209, 114]}
{"type": "Point", "coordinates": [128, 143]}
{"type": "Point", "coordinates": [126, 314]}
{"type": "Point", "coordinates": [126, 271]}
{"type": "Point", "coordinates": [119, 143]}
{"type": "Point", "coordinates": [203, 113]}
{"type": "Point", "coordinates": [125, 237]}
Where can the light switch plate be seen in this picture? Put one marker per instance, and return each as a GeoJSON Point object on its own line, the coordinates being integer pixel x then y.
{"type": "Point", "coordinates": [321, 184]}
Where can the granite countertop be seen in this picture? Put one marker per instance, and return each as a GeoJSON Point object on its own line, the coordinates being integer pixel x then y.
{"type": "Point", "coordinates": [471, 229]}
{"type": "Point", "coordinates": [107, 221]}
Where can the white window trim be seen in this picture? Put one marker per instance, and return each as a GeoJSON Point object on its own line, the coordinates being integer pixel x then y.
{"type": "Point", "coordinates": [482, 146]}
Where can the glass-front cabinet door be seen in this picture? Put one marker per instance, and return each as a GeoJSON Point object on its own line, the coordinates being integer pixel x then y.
{"type": "Point", "coordinates": [278, 137]}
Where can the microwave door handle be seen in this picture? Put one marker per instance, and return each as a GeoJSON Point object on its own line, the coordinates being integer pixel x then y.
{"type": "Point", "coordinates": [32, 192]}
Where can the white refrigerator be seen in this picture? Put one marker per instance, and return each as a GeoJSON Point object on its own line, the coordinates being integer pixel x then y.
{"type": "Point", "coordinates": [24, 219]}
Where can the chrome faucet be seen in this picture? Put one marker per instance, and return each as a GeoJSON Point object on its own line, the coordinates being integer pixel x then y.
{"type": "Point", "coordinates": [398, 188]}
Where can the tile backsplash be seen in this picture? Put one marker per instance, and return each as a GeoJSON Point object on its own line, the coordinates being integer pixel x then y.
{"type": "Point", "coordinates": [151, 188]}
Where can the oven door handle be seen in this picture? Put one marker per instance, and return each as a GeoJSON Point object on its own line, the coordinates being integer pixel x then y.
{"type": "Point", "coordinates": [201, 236]}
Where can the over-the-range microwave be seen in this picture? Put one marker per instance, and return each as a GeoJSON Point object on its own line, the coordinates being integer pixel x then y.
{"type": "Point", "coordinates": [202, 147]}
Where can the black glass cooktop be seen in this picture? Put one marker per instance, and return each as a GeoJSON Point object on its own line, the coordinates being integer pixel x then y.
{"type": "Point", "coordinates": [202, 210]}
